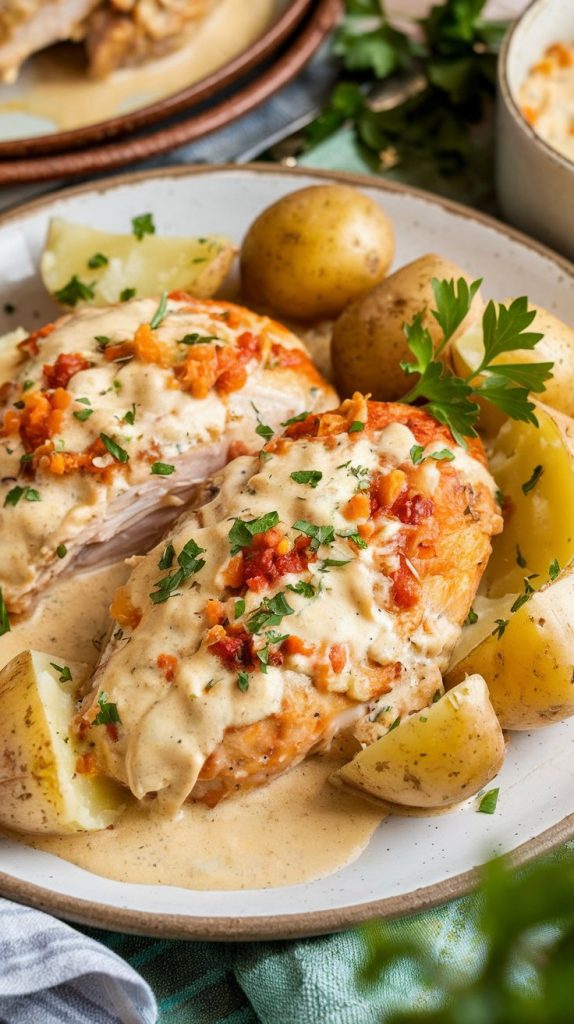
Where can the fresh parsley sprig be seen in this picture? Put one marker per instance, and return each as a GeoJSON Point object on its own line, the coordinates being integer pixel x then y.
{"type": "Point", "coordinates": [451, 399]}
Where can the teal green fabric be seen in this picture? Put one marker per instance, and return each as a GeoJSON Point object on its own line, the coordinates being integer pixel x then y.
{"type": "Point", "coordinates": [312, 981]}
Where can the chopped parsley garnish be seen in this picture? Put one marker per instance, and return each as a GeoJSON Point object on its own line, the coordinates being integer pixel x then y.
{"type": "Point", "coordinates": [4, 620]}
{"type": "Point", "coordinates": [417, 456]}
{"type": "Point", "coordinates": [61, 551]}
{"type": "Point", "coordinates": [98, 260]}
{"type": "Point", "coordinates": [162, 468]}
{"type": "Point", "coordinates": [117, 385]}
{"type": "Point", "coordinates": [103, 342]}
{"type": "Point", "coordinates": [356, 427]}
{"type": "Point", "coordinates": [305, 589]}
{"type": "Point", "coordinates": [471, 618]}
{"type": "Point", "coordinates": [307, 476]}
{"type": "Point", "coordinates": [119, 454]}
{"type": "Point", "coordinates": [452, 399]}
{"type": "Point", "coordinates": [27, 385]}
{"type": "Point", "coordinates": [263, 653]}
{"type": "Point", "coordinates": [243, 681]}
{"type": "Point", "coordinates": [127, 294]}
{"type": "Point", "coordinates": [531, 483]}
{"type": "Point", "coordinates": [65, 674]}
{"type": "Point", "coordinates": [262, 429]}
{"type": "Point", "coordinates": [74, 291]}
{"type": "Point", "coordinates": [520, 559]}
{"type": "Point", "coordinates": [354, 536]}
{"type": "Point", "coordinates": [108, 713]}
{"type": "Point", "coordinates": [499, 497]}
{"type": "Point", "coordinates": [83, 414]}
{"type": "Point", "coordinates": [296, 419]}
{"type": "Point", "coordinates": [160, 312]}
{"type": "Point", "coordinates": [501, 625]}
{"type": "Point", "coordinates": [554, 569]}
{"type": "Point", "coordinates": [84, 401]}
{"type": "Point", "coordinates": [143, 225]}
{"type": "Point", "coordinates": [239, 608]}
{"type": "Point", "coordinates": [189, 564]}
{"type": "Point", "coordinates": [333, 563]}
{"type": "Point", "coordinates": [243, 530]}
{"type": "Point", "coordinates": [168, 555]}
{"type": "Point", "coordinates": [130, 415]}
{"type": "Point", "coordinates": [197, 339]}
{"type": "Point", "coordinates": [395, 724]}
{"type": "Point", "coordinates": [271, 612]}
{"type": "Point", "coordinates": [28, 493]}
{"type": "Point", "coordinates": [489, 801]}
{"type": "Point", "coordinates": [319, 534]}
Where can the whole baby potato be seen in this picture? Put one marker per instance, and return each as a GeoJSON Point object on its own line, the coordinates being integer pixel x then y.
{"type": "Point", "coordinates": [369, 342]}
{"type": "Point", "coordinates": [315, 250]}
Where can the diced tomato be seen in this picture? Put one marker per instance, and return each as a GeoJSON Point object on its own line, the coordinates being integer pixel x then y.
{"type": "Point", "coordinates": [234, 651]}
{"type": "Point", "coordinates": [86, 764]}
{"type": "Point", "coordinates": [215, 613]}
{"type": "Point", "coordinates": [237, 448]}
{"type": "Point", "coordinates": [337, 657]}
{"type": "Point", "coordinates": [406, 587]}
{"type": "Point", "coordinates": [123, 611]}
{"type": "Point", "coordinates": [358, 507]}
{"type": "Point", "coordinates": [167, 663]}
{"type": "Point", "coordinates": [112, 731]}
{"type": "Point", "coordinates": [67, 364]}
{"type": "Point", "coordinates": [412, 509]}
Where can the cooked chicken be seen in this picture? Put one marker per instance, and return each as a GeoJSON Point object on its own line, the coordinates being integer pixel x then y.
{"type": "Point", "coordinates": [30, 25]}
{"type": "Point", "coordinates": [323, 587]}
{"type": "Point", "coordinates": [127, 32]}
{"type": "Point", "coordinates": [116, 415]}
{"type": "Point", "coordinates": [118, 33]}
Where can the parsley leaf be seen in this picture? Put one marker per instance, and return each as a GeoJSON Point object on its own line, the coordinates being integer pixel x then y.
{"type": "Point", "coordinates": [270, 612]}
{"type": "Point", "coordinates": [530, 484]}
{"type": "Point", "coordinates": [243, 681]}
{"type": "Point", "coordinates": [305, 589]}
{"type": "Point", "coordinates": [119, 454]}
{"type": "Point", "coordinates": [127, 294]}
{"type": "Point", "coordinates": [189, 564]}
{"type": "Point", "coordinates": [108, 713]}
{"type": "Point", "coordinates": [489, 801]}
{"type": "Point", "coordinates": [28, 493]}
{"type": "Point", "coordinates": [295, 419]}
{"type": "Point", "coordinates": [61, 551]}
{"type": "Point", "coordinates": [74, 291]}
{"type": "Point", "coordinates": [162, 469]}
{"type": "Point", "coordinates": [83, 414]}
{"type": "Point", "coordinates": [471, 618]}
{"type": "Point", "coordinates": [307, 476]}
{"type": "Point", "coordinates": [143, 225]}
{"type": "Point", "coordinates": [243, 530]}
{"type": "Point", "coordinates": [197, 339]}
{"type": "Point", "coordinates": [554, 569]}
{"type": "Point", "coordinates": [64, 672]}
{"type": "Point", "coordinates": [356, 427]}
{"type": "Point", "coordinates": [500, 627]}
{"type": "Point", "coordinates": [168, 555]}
{"type": "Point", "coordinates": [130, 415]}
{"type": "Point", "coordinates": [319, 534]}
{"type": "Point", "coordinates": [98, 260]}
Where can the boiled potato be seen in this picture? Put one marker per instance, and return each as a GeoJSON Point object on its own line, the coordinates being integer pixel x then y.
{"type": "Point", "coordinates": [527, 656]}
{"type": "Point", "coordinates": [315, 250]}
{"type": "Point", "coordinates": [368, 340]}
{"type": "Point", "coordinates": [435, 758]}
{"type": "Point", "coordinates": [149, 265]}
{"type": "Point", "coordinates": [557, 346]}
{"type": "Point", "coordinates": [40, 788]}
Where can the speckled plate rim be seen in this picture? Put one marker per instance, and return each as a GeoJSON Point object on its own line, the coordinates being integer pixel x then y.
{"type": "Point", "coordinates": [184, 99]}
{"type": "Point", "coordinates": [537, 141]}
{"type": "Point", "coordinates": [297, 925]}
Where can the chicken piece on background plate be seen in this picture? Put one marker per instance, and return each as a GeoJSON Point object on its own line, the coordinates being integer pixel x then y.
{"type": "Point", "coordinates": [322, 589]}
{"type": "Point", "coordinates": [114, 416]}
{"type": "Point", "coordinates": [30, 25]}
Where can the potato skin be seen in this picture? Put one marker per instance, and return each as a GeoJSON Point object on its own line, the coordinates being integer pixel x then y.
{"type": "Point", "coordinates": [435, 758]}
{"type": "Point", "coordinates": [368, 340]}
{"type": "Point", "coordinates": [315, 250]}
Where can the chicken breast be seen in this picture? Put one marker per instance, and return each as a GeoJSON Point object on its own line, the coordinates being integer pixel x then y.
{"type": "Point", "coordinates": [30, 25]}
{"type": "Point", "coordinates": [322, 589]}
{"type": "Point", "coordinates": [123, 33]}
{"type": "Point", "coordinates": [115, 416]}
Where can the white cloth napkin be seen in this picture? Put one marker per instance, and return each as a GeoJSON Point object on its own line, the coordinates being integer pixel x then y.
{"type": "Point", "coordinates": [51, 974]}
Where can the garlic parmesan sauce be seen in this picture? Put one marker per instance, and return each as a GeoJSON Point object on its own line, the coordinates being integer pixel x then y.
{"type": "Point", "coordinates": [304, 827]}
{"type": "Point", "coordinates": [546, 98]}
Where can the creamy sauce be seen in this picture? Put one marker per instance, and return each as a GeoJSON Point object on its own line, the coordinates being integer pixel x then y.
{"type": "Point", "coordinates": [293, 831]}
{"type": "Point", "coordinates": [546, 98]}
{"type": "Point", "coordinates": [304, 828]}
{"type": "Point", "coordinates": [54, 86]}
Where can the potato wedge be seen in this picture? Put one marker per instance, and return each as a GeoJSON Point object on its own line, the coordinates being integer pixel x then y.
{"type": "Point", "coordinates": [40, 788]}
{"type": "Point", "coordinates": [150, 265]}
{"type": "Point", "coordinates": [435, 758]}
{"type": "Point", "coordinates": [368, 340]}
{"type": "Point", "coordinates": [527, 655]}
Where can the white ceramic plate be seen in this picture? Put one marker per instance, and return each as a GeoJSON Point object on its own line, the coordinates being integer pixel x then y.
{"type": "Point", "coordinates": [409, 863]}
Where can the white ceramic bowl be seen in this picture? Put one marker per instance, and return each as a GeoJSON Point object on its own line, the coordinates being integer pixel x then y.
{"type": "Point", "coordinates": [535, 183]}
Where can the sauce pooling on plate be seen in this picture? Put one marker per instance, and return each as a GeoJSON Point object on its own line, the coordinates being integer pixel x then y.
{"type": "Point", "coordinates": [546, 98]}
